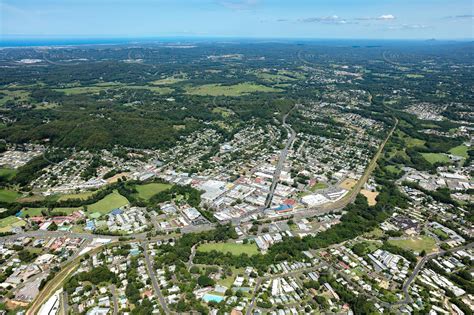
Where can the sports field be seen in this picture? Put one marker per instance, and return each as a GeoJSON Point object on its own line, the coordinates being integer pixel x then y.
{"type": "Point", "coordinates": [436, 157]}
{"type": "Point", "coordinates": [229, 90]}
{"type": "Point", "coordinates": [233, 248]}
{"type": "Point", "coordinates": [416, 244]}
{"type": "Point", "coordinates": [146, 191]}
{"type": "Point", "coordinates": [460, 150]}
{"type": "Point", "coordinates": [108, 203]}
{"type": "Point", "coordinates": [6, 224]}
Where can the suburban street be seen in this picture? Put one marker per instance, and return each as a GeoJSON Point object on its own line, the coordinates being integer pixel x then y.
{"type": "Point", "coordinates": [154, 281]}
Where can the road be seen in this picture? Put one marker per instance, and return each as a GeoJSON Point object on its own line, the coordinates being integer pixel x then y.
{"type": "Point", "coordinates": [114, 298]}
{"type": "Point", "coordinates": [154, 281]}
{"type": "Point", "coordinates": [64, 304]}
{"type": "Point", "coordinates": [421, 263]}
{"type": "Point", "coordinates": [287, 274]}
{"type": "Point", "coordinates": [71, 265]}
{"type": "Point", "coordinates": [282, 159]}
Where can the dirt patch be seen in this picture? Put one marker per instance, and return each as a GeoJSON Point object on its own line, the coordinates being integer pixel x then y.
{"type": "Point", "coordinates": [116, 177]}
{"type": "Point", "coordinates": [370, 195]}
{"type": "Point", "coordinates": [348, 183]}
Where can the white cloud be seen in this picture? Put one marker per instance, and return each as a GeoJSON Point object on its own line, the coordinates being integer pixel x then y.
{"type": "Point", "coordinates": [333, 19]}
{"type": "Point", "coordinates": [386, 17]}
{"type": "Point", "coordinates": [239, 4]}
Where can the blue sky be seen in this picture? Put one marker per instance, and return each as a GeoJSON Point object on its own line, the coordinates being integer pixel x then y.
{"type": "Point", "coordinates": [391, 19]}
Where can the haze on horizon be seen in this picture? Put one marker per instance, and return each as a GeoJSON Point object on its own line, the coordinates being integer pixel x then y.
{"type": "Point", "coordinates": [369, 19]}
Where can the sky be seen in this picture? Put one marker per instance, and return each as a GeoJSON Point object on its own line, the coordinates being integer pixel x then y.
{"type": "Point", "coordinates": [367, 19]}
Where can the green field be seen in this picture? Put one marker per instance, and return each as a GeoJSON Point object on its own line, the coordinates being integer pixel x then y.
{"type": "Point", "coordinates": [108, 203]}
{"type": "Point", "coordinates": [167, 81]}
{"type": "Point", "coordinates": [317, 186]}
{"type": "Point", "coordinates": [392, 169]}
{"type": "Point", "coordinates": [436, 157]}
{"type": "Point", "coordinates": [147, 191]}
{"type": "Point", "coordinates": [417, 244]}
{"type": "Point", "coordinates": [274, 78]}
{"type": "Point", "coordinates": [460, 150]}
{"type": "Point", "coordinates": [82, 195]}
{"type": "Point", "coordinates": [36, 212]}
{"type": "Point", "coordinates": [13, 95]}
{"type": "Point", "coordinates": [102, 87]}
{"type": "Point", "coordinates": [228, 90]}
{"type": "Point", "coordinates": [7, 173]}
{"type": "Point", "coordinates": [233, 248]}
{"type": "Point", "coordinates": [6, 224]}
{"type": "Point", "coordinates": [8, 195]}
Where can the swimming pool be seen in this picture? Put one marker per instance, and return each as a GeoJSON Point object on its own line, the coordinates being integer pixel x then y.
{"type": "Point", "coordinates": [212, 298]}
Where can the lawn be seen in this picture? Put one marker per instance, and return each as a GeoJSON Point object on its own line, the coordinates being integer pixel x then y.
{"type": "Point", "coordinates": [436, 157]}
{"type": "Point", "coordinates": [417, 244]}
{"type": "Point", "coordinates": [147, 191]}
{"type": "Point", "coordinates": [7, 195]}
{"type": "Point", "coordinates": [229, 90]}
{"type": "Point", "coordinates": [233, 248]}
{"type": "Point", "coordinates": [460, 150]}
{"type": "Point", "coordinates": [108, 203]}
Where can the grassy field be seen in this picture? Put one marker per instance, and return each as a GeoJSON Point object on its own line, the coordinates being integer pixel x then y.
{"type": "Point", "coordinates": [7, 173]}
{"type": "Point", "coordinates": [94, 89]}
{"type": "Point", "coordinates": [460, 150]}
{"type": "Point", "coordinates": [36, 212]}
{"type": "Point", "coordinates": [392, 169]}
{"type": "Point", "coordinates": [318, 186]}
{"type": "Point", "coordinates": [228, 90]}
{"type": "Point", "coordinates": [274, 78]}
{"type": "Point", "coordinates": [14, 95]}
{"type": "Point", "coordinates": [8, 195]}
{"type": "Point", "coordinates": [436, 157]}
{"type": "Point", "coordinates": [417, 244]}
{"type": "Point", "coordinates": [348, 183]}
{"type": "Point", "coordinates": [81, 195]}
{"type": "Point", "coordinates": [233, 248]}
{"type": "Point", "coordinates": [146, 191]}
{"type": "Point", "coordinates": [224, 112]}
{"type": "Point", "coordinates": [108, 203]}
{"type": "Point", "coordinates": [6, 224]}
{"type": "Point", "coordinates": [167, 81]}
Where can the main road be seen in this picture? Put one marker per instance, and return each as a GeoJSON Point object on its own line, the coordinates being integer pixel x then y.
{"type": "Point", "coordinates": [282, 159]}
